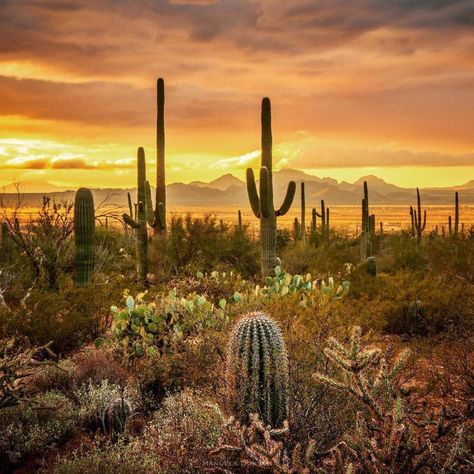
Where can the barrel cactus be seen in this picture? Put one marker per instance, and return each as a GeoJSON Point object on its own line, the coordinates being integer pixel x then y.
{"type": "Point", "coordinates": [84, 228]}
{"type": "Point", "coordinates": [258, 369]}
{"type": "Point", "coordinates": [372, 266]}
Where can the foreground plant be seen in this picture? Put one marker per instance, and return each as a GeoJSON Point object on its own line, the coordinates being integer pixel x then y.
{"type": "Point", "coordinates": [258, 369]}
{"type": "Point", "coordinates": [388, 436]}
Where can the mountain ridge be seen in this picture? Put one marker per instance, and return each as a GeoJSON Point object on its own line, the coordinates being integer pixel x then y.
{"type": "Point", "coordinates": [230, 190]}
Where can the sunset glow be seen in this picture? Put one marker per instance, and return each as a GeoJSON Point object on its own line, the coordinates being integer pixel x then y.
{"type": "Point", "coordinates": [357, 88]}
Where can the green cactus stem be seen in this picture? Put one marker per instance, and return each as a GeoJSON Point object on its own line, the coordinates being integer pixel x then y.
{"type": "Point", "coordinates": [140, 222]}
{"type": "Point", "coordinates": [314, 223]}
{"type": "Point", "coordinates": [296, 230]}
{"type": "Point", "coordinates": [262, 205]}
{"type": "Point", "coordinates": [157, 217]}
{"type": "Point", "coordinates": [84, 228]}
{"type": "Point", "coordinates": [257, 370]}
{"type": "Point", "coordinates": [303, 214]}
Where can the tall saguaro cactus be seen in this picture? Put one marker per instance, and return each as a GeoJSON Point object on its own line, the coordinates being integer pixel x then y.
{"type": "Point", "coordinates": [303, 213]}
{"type": "Point", "coordinates": [418, 223]}
{"type": "Point", "coordinates": [262, 205]}
{"type": "Point", "coordinates": [156, 218]}
{"type": "Point", "coordinates": [84, 229]}
{"type": "Point", "coordinates": [456, 215]}
{"type": "Point", "coordinates": [140, 221]}
{"type": "Point", "coordinates": [366, 235]}
{"type": "Point", "coordinates": [257, 368]}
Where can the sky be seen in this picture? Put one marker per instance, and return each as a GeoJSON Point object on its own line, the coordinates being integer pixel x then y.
{"type": "Point", "coordinates": [357, 87]}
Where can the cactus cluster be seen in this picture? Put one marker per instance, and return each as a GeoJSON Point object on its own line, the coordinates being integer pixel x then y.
{"type": "Point", "coordinates": [258, 369]}
{"type": "Point", "coordinates": [324, 216]}
{"type": "Point", "coordinates": [84, 229]}
{"type": "Point", "coordinates": [417, 223]}
{"type": "Point", "coordinates": [262, 205]}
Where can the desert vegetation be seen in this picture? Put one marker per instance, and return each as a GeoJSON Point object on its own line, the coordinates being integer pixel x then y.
{"type": "Point", "coordinates": [158, 344]}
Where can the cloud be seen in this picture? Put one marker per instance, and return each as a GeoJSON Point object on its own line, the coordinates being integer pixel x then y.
{"type": "Point", "coordinates": [308, 153]}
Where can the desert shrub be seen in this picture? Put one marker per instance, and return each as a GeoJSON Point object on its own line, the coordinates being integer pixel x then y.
{"type": "Point", "coordinates": [60, 376]}
{"type": "Point", "coordinates": [105, 406]}
{"type": "Point", "coordinates": [402, 252]}
{"type": "Point", "coordinates": [29, 428]}
{"type": "Point", "coordinates": [96, 365]}
{"type": "Point", "coordinates": [69, 319]}
{"type": "Point", "coordinates": [329, 258]}
{"type": "Point", "coordinates": [202, 244]}
{"type": "Point", "coordinates": [176, 441]}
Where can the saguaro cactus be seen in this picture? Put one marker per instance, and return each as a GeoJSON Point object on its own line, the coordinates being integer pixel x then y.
{"type": "Point", "coordinates": [84, 228]}
{"type": "Point", "coordinates": [303, 212]}
{"type": "Point", "coordinates": [262, 205]}
{"type": "Point", "coordinates": [365, 237]}
{"type": "Point", "coordinates": [257, 368]}
{"type": "Point", "coordinates": [140, 221]}
{"type": "Point", "coordinates": [156, 218]}
{"type": "Point", "coordinates": [324, 216]}
{"type": "Point", "coordinates": [456, 215]}
{"type": "Point", "coordinates": [418, 223]}
{"type": "Point", "coordinates": [239, 219]}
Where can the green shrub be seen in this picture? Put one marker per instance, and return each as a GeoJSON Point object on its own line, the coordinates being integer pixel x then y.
{"type": "Point", "coordinates": [31, 427]}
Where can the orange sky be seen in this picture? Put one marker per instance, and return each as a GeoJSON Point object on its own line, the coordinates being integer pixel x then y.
{"type": "Point", "coordinates": [357, 87]}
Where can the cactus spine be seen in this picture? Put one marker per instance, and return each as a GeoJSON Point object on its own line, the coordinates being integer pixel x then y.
{"type": "Point", "coordinates": [140, 221]}
{"type": "Point", "coordinates": [419, 224]}
{"type": "Point", "coordinates": [257, 367]}
{"type": "Point", "coordinates": [262, 205]}
{"type": "Point", "coordinates": [303, 212]}
{"type": "Point", "coordinates": [84, 228]}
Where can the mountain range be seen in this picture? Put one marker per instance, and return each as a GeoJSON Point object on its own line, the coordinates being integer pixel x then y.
{"type": "Point", "coordinates": [228, 190]}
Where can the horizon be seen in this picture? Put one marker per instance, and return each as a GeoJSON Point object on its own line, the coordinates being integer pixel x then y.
{"type": "Point", "coordinates": [353, 92]}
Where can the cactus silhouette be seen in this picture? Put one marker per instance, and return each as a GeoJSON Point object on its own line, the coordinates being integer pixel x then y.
{"type": "Point", "coordinates": [157, 218]}
{"type": "Point", "coordinates": [303, 212]}
{"type": "Point", "coordinates": [456, 215]}
{"type": "Point", "coordinates": [418, 224]}
{"type": "Point", "coordinates": [257, 367]}
{"type": "Point", "coordinates": [140, 221]}
{"type": "Point", "coordinates": [366, 235]}
{"type": "Point", "coordinates": [84, 229]}
{"type": "Point", "coordinates": [262, 205]}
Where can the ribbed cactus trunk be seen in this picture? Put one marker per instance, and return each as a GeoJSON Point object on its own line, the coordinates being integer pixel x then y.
{"type": "Point", "coordinates": [139, 223]}
{"type": "Point", "coordinates": [262, 204]}
{"type": "Point", "coordinates": [268, 221]}
{"type": "Point", "coordinates": [456, 215]}
{"type": "Point", "coordinates": [303, 213]}
{"type": "Point", "coordinates": [160, 209]}
{"type": "Point", "coordinates": [84, 229]}
{"type": "Point", "coordinates": [257, 370]}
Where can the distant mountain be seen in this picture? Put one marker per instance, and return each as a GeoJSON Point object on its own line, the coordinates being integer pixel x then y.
{"type": "Point", "coordinates": [33, 186]}
{"type": "Point", "coordinates": [231, 191]}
